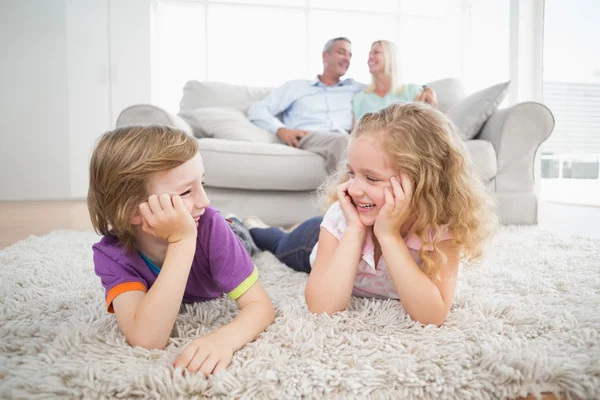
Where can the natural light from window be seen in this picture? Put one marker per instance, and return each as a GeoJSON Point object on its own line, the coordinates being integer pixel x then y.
{"type": "Point", "coordinates": [267, 42]}
{"type": "Point", "coordinates": [571, 89]}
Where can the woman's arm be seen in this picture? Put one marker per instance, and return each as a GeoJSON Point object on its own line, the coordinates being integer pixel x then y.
{"type": "Point", "coordinates": [426, 300]}
{"type": "Point", "coordinates": [331, 280]}
{"type": "Point", "coordinates": [428, 96]}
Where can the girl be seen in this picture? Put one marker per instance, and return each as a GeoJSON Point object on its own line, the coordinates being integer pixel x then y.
{"type": "Point", "coordinates": [163, 245]}
{"type": "Point", "coordinates": [402, 213]}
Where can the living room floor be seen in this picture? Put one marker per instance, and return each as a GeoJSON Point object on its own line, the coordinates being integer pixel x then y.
{"type": "Point", "coordinates": [18, 220]}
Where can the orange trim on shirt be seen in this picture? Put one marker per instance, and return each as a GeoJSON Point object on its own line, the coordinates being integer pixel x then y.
{"type": "Point", "coordinates": [120, 289]}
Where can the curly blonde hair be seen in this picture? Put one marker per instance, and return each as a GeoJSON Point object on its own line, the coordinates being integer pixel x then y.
{"type": "Point", "coordinates": [447, 190]}
{"type": "Point", "coordinates": [123, 161]}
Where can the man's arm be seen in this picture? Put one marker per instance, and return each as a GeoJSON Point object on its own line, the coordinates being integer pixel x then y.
{"type": "Point", "coordinates": [263, 113]}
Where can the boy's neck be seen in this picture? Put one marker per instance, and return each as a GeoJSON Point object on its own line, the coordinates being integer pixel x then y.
{"type": "Point", "coordinates": [153, 248]}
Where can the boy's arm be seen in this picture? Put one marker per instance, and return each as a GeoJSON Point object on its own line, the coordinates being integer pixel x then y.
{"type": "Point", "coordinates": [427, 300]}
{"type": "Point", "coordinates": [147, 319]}
{"type": "Point", "coordinates": [213, 352]}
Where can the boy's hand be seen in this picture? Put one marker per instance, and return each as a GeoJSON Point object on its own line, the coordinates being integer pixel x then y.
{"type": "Point", "coordinates": [167, 218]}
{"type": "Point", "coordinates": [348, 207]}
{"type": "Point", "coordinates": [395, 211]}
{"type": "Point", "coordinates": [205, 354]}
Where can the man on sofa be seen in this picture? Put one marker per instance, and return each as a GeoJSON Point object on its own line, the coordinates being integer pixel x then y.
{"type": "Point", "coordinates": [317, 114]}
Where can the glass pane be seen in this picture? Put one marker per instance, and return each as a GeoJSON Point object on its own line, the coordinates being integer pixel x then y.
{"type": "Point", "coordinates": [571, 89]}
{"type": "Point", "coordinates": [430, 8]}
{"type": "Point", "coordinates": [361, 29]}
{"type": "Point", "coordinates": [283, 3]}
{"type": "Point", "coordinates": [431, 48]}
{"type": "Point", "coordinates": [178, 50]}
{"type": "Point", "coordinates": [487, 50]}
{"type": "Point", "coordinates": [374, 6]}
{"type": "Point", "coordinates": [256, 46]}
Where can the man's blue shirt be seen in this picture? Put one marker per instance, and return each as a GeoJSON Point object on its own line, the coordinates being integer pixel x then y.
{"type": "Point", "coordinates": [307, 105]}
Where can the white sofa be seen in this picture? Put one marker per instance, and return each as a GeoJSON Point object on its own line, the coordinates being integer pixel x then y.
{"type": "Point", "coordinates": [250, 172]}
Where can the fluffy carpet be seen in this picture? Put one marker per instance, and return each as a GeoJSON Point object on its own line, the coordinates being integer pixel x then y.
{"type": "Point", "coordinates": [525, 321]}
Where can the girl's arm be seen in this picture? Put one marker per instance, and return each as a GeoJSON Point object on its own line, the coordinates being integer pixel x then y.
{"type": "Point", "coordinates": [146, 319]}
{"type": "Point", "coordinates": [427, 300]}
{"type": "Point", "coordinates": [331, 280]}
{"type": "Point", "coordinates": [213, 352]}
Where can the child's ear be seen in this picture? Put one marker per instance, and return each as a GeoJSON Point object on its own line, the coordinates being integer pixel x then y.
{"type": "Point", "coordinates": [136, 219]}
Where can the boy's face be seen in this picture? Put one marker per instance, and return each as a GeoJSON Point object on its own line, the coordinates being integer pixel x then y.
{"type": "Point", "coordinates": [369, 175]}
{"type": "Point", "coordinates": [186, 181]}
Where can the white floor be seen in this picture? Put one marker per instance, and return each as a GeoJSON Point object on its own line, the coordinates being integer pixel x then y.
{"type": "Point", "coordinates": [571, 219]}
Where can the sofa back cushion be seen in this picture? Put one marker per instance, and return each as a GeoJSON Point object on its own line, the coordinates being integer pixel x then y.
{"type": "Point", "coordinates": [449, 91]}
{"type": "Point", "coordinates": [225, 123]}
{"type": "Point", "coordinates": [470, 114]}
{"type": "Point", "coordinates": [216, 94]}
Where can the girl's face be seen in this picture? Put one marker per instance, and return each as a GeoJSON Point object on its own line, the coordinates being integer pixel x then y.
{"type": "Point", "coordinates": [187, 181]}
{"type": "Point", "coordinates": [376, 59]}
{"type": "Point", "coordinates": [369, 175]}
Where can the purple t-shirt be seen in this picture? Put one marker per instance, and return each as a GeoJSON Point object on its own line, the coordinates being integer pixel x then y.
{"type": "Point", "coordinates": [220, 265]}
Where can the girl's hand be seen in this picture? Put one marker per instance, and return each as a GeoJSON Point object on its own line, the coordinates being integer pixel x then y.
{"type": "Point", "coordinates": [348, 207]}
{"type": "Point", "coordinates": [206, 355]}
{"type": "Point", "coordinates": [167, 218]}
{"type": "Point", "coordinates": [394, 212]}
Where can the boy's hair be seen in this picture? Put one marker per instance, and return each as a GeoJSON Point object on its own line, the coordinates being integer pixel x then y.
{"type": "Point", "coordinates": [390, 54]}
{"type": "Point", "coordinates": [447, 191]}
{"type": "Point", "coordinates": [122, 163]}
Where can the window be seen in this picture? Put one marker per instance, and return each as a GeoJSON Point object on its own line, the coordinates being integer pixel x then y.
{"type": "Point", "coordinates": [571, 89]}
{"type": "Point", "coordinates": [267, 42]}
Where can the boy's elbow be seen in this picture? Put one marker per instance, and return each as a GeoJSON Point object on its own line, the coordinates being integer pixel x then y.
{"type": "Point", "coordinates": [147, 343]}
{"type": "Point", "coordinates": [269, 312]}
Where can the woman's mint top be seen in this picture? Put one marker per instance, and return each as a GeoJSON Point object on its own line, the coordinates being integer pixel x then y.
{"type": "Point", "coordinates": [364, 102]}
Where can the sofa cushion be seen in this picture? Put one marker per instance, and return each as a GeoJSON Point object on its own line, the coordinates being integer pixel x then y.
{"type": "Point", "coordinates": [216, 94]}
{"type": "Point", "coordinates": [225, 123]}
{"type": "Point", "coordinates": [483, 155]}
{"type": "Point", "coordinates": [473, 111]}
{"type": "Point", "coordinates": [449, 91]}
{"type": "Point", "coordinates": [260, 166]}
{"type": "Point", "coordinates": [148, 114]}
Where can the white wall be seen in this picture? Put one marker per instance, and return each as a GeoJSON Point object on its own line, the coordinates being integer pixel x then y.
{"type": "Point", "coordinates": [34, 137]}
{"type": "Point", "coordinates": [69, 67]}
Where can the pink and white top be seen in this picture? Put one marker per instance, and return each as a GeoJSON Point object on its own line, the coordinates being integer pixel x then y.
{"type": "Point", "coordinates": [371, 280]}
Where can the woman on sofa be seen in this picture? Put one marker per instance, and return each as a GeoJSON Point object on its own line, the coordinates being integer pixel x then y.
{"type": "Point", "coordinates": [385, 89]}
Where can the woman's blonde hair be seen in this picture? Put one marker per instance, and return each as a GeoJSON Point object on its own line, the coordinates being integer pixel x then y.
{"type": "Point", "coordinates": [123, 161]}
{"type": "Point", "coordinates": [390, 54]}
{"type": "Point", "coordinates": [422, 143]}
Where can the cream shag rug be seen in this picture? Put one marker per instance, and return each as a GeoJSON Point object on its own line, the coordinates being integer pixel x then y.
{"type": "Point", "coordinates": [526, 321]}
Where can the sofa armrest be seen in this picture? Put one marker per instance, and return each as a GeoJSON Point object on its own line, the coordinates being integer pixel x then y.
{"type": "Point", "coordinates": [148, 114]}
{"type": "Point", "coordinates": [516, 134]}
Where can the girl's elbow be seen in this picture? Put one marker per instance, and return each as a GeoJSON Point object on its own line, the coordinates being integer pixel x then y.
{"type": "Point", "coordinates": [320, 308]}
{"type": "Point", "coordinates": [436, 320]}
